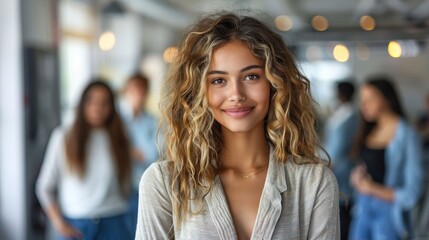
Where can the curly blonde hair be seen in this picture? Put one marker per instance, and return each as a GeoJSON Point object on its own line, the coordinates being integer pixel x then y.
{"type": "Point", "coordinates": [193, 137]}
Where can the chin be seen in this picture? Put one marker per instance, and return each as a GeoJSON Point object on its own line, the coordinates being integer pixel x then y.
{"type": "Point", "coordinates": [239, 128]}
{"type": "Point", "coordinates": [370, 118]}
{"type": "Point", "coordinates": [96, 124]}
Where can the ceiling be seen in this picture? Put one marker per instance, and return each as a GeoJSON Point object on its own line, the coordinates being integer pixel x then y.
{"type": "Point", "coordinates": [395, 19]}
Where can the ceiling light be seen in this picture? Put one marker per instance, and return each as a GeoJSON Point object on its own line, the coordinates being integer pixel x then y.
{"type": "Point", "coordinates": [283, 23]}
{"type": "Point", "coordinates": [107, 41]}
{"type": "Point", "coordinates": [394, 49]}
{"type": "Point", "coordinates": [341, 53]}
{"type": "Point", "coordinates": [320, 23]}
{"type": "Point", "coordinates": [367, 23]}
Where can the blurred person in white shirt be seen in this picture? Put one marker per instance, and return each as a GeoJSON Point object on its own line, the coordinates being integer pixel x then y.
{"type": "Point", "coordinates": [84, 182]}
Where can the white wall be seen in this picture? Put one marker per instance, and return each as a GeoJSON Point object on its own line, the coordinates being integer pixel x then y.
{"type": "Point", "coordinates": [12, 168]}
{"type": "Point", "coordinates": [78, 33]}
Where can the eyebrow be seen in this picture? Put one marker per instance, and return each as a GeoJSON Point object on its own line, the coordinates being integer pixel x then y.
{"type": "Point", "coordinates": [242, 70]}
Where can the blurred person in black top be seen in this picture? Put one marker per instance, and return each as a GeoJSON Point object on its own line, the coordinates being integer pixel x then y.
{"type": "Point", "coordinates": [388, 182]}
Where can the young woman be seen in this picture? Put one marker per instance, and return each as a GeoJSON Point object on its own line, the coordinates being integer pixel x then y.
{"type": "Point", "coordinates": [389, 180]}
{"type": "Point", "coordinates": [88, 166]}
{"type": "Point", "coordinates": [240, 143]}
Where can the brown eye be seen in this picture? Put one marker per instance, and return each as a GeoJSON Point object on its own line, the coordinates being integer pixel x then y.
{"type": "Point", "coordinates": [251, 77]}
{"type": "Point", "coordinates": [217, 81]}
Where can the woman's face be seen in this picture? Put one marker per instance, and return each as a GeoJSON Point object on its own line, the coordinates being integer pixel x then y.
{"type": "Point", "coordinates": [238, 92]}
{"type": "Point", "coordinates": [97, 107]}
{"type": "Point", "coordinates": [372, 103]}
{"type": "Point", "coordinates": [135, 93]}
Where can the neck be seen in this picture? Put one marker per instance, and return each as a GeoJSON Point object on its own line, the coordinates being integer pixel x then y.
{"type": "Point", "coordinates": [387, 119]}
{"type": "Point", "coordinates": [243, 151]}
{"type": "Point", "coordinates": [136, 110]}
{"type": "Point", "coordinates": [346, 103]}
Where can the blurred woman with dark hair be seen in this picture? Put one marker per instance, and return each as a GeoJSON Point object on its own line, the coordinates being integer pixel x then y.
{"type": "Point", "coordinates": [389, 179]}
{"type": "Point", "coordinates": [88, 166]}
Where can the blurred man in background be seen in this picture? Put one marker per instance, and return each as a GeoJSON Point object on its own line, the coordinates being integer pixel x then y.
{"type": "Point", "coordinates": [339, 134]}
{"type": "Point", "coordinates": [142, 129]}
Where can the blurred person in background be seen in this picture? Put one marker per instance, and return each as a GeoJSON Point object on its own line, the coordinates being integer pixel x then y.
{"type": "Point", "coordinates": [142, 130]}
{"type": "Point", "coordinates": [339, 131]}
{"type": "Point", "coordinates": [423, 125]}
{"type": "Point", "coordinates": [421, 213]}
{"type": "Point", "coordinates": [388, 181]}
{"type": "Point", "coordinates": [84, 182]}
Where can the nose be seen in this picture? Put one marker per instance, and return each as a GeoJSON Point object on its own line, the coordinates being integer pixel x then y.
{"type": "Point", "coordinates": [236, 92]}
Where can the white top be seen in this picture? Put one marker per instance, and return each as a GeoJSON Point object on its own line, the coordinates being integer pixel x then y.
{"type": "Point", "coordinates": [341, 114]}
{"type": "Point", "coordinates": [96, 194]}
{"type": "Point", "coordinates": [297, 202]}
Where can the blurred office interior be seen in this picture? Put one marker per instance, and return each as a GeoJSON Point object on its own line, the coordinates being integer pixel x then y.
{"type": "Point", "coordinates": [49, 50]}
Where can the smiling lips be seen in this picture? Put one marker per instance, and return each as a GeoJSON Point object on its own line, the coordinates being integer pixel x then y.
{"type": "Point", "coordinates": [238, 112]}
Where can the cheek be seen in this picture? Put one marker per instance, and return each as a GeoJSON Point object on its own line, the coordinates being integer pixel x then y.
{"type": "Point", "coordinates": [262, 95]}
{"type": "Point", "coordinates": [365, 107]}
{"type": "Point", "coordinates": [375, 106]}
{"type": "Point", "coordinates": [88, 110]}
{"type": "Point", "coordinates": [131, 94]}
{"type": "Point", "coordinates": [138, 94]}
{"type": "Point", "coordinates": [104, 110]}
{"type": "Point", "coordinates": [214, 98]}
{"type": "Point", "coordinates": [370, 110]}
{"type": "Point", "coordinates": [89, 113]}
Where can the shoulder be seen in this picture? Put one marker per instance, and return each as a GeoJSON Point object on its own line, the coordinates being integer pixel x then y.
{"type": "Point", "coordinates": [159, 169]}
{"type": "Point", "coordinates": [157, 173]}
{"type": "Point", "coordinates": [59, 131]}
{"type": "Point", "coordinates": [150, 120]}
{"type": "Point", "coordinates": [406, 131]}
{"type": "Point", "coordinates": [58, 134]}
{"type": "Point", "coordinates": [150, 116]}
{"type": "Point", "coordinates": [311, 175]}
{"type": "Point", "coordinates": [317, 169]}
{"type": "Point", "coordinates": [55, 149]}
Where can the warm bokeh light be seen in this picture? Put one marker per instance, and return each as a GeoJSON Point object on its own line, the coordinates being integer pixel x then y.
{"type": "Point", "coordinates": [283, 23]}
{"type": "Point", "coordinates": [107, 41]}
{"type": "Point", "coordinates": [394, 49]}
{"type": "Point", "coordinates": [314, 53]}
{"type": "Point", "coordinates": [363, 52]}
{"type": "Point", "coordinates": [341, 53]}
{"type": "Point", "coordinates": [169, 54]}
{"type": "Point", "coordinates": [320, 23]}
{"type": "Point", "coordinates": [367, 23]}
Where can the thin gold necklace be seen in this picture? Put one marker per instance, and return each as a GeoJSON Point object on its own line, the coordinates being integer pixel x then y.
{"type": "Point", "coordinates": [249, 174]}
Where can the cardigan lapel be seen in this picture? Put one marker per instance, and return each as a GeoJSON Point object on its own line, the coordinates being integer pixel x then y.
{"type": "Point", "coordinates": [219, 211]}
{"type": "Point", "coordinates": [270, 206]}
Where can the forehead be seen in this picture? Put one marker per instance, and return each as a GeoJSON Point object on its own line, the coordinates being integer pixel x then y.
{"type": "Point", "coordinates": [233, 54]}
{"type": "Point", "coordinates": [368, 90]}
{"type": "Point", "coordinates": [136, 82]}
{"type": "Point", "coordinates": [98, 92]}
